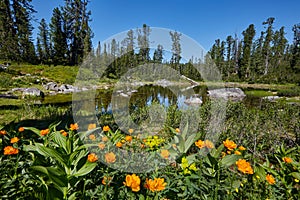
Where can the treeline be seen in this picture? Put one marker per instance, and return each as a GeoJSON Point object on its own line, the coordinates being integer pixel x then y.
{"type": "Point", "coordinates": [63, 41]}
{"type": "Point", "coordinates": [266, 58]}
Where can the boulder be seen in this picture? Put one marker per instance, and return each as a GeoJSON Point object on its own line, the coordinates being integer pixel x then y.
{"type": "Point", "coordinates": [271, 98]}
{"type": "Point", "coordinates": [33, 92]}
{"type": "Point", "coordinates": [193, 101]}
{"type": "Point", "coordinates": [235, 94]}
{"type": "Point", "coordinates": [51, 86]}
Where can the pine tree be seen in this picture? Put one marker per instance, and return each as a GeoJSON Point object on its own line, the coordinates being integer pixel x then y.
{"type": "Point", "coordinates": [176, 49]}
{"type": "Point", "coordinates": [158, 54]}
{"type": "Point", "coordinates": [248, 34]}
{"type": "Point", "coordinates": [266, 50]}
{"type": "Point", "coordinates": [43, 38]}
{"type": "Point", "coordinates": [58, 38]}
{"type": "Point", "coordinates": [143, 43]}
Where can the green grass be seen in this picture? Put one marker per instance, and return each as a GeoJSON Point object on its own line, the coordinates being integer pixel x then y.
{"type": "Point", "coordinates": [259, 93]}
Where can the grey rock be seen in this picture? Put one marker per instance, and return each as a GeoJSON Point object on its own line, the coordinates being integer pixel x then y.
{"type": "Point", "coordinates": [33, 92]}
{"type": "Point", "coordinates": [235, 94]}
{"type": "Point", "coordinates": [193, 101]}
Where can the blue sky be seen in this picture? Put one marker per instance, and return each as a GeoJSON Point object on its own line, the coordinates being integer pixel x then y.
{"type": "Point", "coordinates": [203, 20]}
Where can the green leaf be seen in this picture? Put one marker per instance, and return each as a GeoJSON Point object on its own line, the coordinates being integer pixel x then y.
{"type": "Point", "coordinates": [34, 130]}
{"type": "Point", "coordinates": [229, 160]}
{"type": "Point", "coordinates": [60, 140]}
{"type": "Point", "coordinates": [260, 171]}
{"type": "Point", "coordinates": [189, 142]}
{"type": "Point", "coordinates": [49, 152]}
{"type": "Point", "coordinates": [295, 175]}
{"type": "Point", "coordinates": [85, 169]}
{"type": "Point", "coordinates": [185, 131]}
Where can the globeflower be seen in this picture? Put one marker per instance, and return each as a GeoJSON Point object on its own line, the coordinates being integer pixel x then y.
{"type": "Point", "coordinates": [21, 129]}
{"type": "Point", "coordinates": [3, 132]}
{"type": "Point", "coordinates": [208, 144]}
{"type": "Point", "coordinates": [91, 126]}
{"type": "Point", "coordinates": [270, 179]}
{"type": "Point", "coordinates": [106, 128]}
{"type": "Point", "coordinates": [110, 157]}
{"type": "Point", "coordinates": [287, 159]}
{"type": "Point", "coordinates": [177, 130]}
{"type": "Point", "coordinates": [9, 150]}
{"type": "Point", "coordinates": [92, 157]}
{"type": "Point", "coordinates": [101, 146]}
{"type": "Point", "coordinates": [156, 185]}
{"type": "Point", "coordinates": [244, 166]}
{"type": "Point", "coordinates": [92, 137]}
{"type": "Point", "coordinates": [165, 153]}
{"type": "Point", "coordinates": [14, 140]}
{"type": "Point", "coordinates": [63, 132]}
{"type": "Point", "coordinates": [119, 144]}
{"type": "Point", "coordinates": [128, 138]}
{"type": "Point", "coordinates": [229, 144]}
{"type": "Point", "coordinates": [200, 144]}
{"type": "Point", "coordinates": [133, 181]}
{"type": "Point", "coordinates": [130, 131]}
{"type": "Point", "coordinates": [74, 127]}
{"type": "Point", "coordinates": [106, 180]}
{"type": "Point", "coordinates": [44, 132]}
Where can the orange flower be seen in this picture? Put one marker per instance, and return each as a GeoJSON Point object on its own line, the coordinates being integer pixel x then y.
{"type": "Point", "coordinates": [91, 126]}
{"type": "Point", "coordinates": [63, 132]}
{"type": "Point", "coordinates": [92, 157]}
{"type": "Point", "coordinates": [142, 146]}
{"type": "Point", "coordinates": [241, 148]}
{"type": "Point", "coordinates": [130, 131]}
{"type": "Point", "coordinates": [74, 127]}
{"type": "Point", "coordinates": [230, 145]}
{"type": "Point", "coordinates": [106, 128]}
{"type": "Point", "coordinates": [237, 153]}
{"type": "Point", "coordinates": [177, 130]}
{"type": "Point", "coordinates": [287, 159]}
{"type": "Point", "coordinates": [270, 179]}
{"type": "Point", "coordinates": [92, 137]}
{"type": "Point", "coordinates": [14, 140]}
{"type": "Point", "coordinates": [21, 129]}
{"type": "Point", "coordinates": [3, 132]}
{"type": "Point", "coordinates": [128, 138]}
{"type": "Point", "coordinates": [44, 132]}
{"type": "Point", "coordinates": [9, 150]}
{"type": "Point", "coordinates": [200, 144]}
{"type": "Point", "coordinates": [119, 144]}
{"type": "Point", "coordinates": [106, 180]}
{"type": "Point", "coordinates": [133, 181]}
{"type": "Point", "coordinates": [104, 139]}
{"type": "Point", "coordinates": [209, 144]}
{"type": "Point", "coordinates": [244, 166]}
{"type": "Point", "coordinates": [101, 146]}
{"type": "Point", "coordinates": [110, 157]}
{"type": "Point", "coordinates": [156, 185]}
{"type": "Point", "coordinates": [165, 153]}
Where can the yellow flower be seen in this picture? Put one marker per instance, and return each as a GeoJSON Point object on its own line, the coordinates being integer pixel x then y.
{"type": "Point", "coordinates": [165, 153]}
{"type": "Point", "coordinates": [241, 148]}
{"type": "Point", "coordinates": [106, 180]}
{"type": "Point", "coordinates": [3, 132]}
{"type": "Point", "coordinates": [133, 181]}
{"type": "Point", "coordinates": [44, 132]}
{"type": "Point", "coordinates": [156, 185]}
{"type": "Point", "coordinates": [119, 144]}
{"type": "Point", "coordinates": [200, 144]}
{"type": "Point", "coordinates": [130, 131]}
{"type": "Point", "coordinates": [128, 138]}
{"type": "Point", "coordinates": [74, 127]}
{"type": "Point", "coordinates": [193, 167]}
{"type": "Point", "coordinates": [9, 150]}
{"type": "Point", "coordinates": [230, 145]}
{"type": "Point", "coordinates": [91, 126]}
{"type": "Point", "coordinates": [287, 159]}
{"type": "Point", "coordinates": [270, 179]}
{"type": "Point", "coordinates": [14, 140]}
{"type": "Point", "coordinates": [237, 190]}
{"type": "Point", "coordinates": [21, 129]}
{"type": "Point", "coordinates": [92, 157]}
{"type": "Point", "coordinates": [92, 137]}
{"type": "Point", "coordinates": [106, 128]}
{"type": "Point", "coordinates": [237, 153]}
{"type": "Point", "coordinates": [63, 132]}
{"type": "Point", "coordinates": [177, 130]}
{"type": "Point", "coordinates": [186, 171]}
{"type": "Point", "coordinates": [101, 146]}
{"type": "Point", "coordinates": [296, 180]}
{"type": "Point", "coordinates": [244, 166]}
{"type": "Point", "coordinates": [223, 154]}
{"type": "Point", "coordinates": [110, 157]}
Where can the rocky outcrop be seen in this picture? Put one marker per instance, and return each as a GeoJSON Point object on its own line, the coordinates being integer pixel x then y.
{"type": "Point", "coordinates": [64, 88]}
{"type": "Point", "coordinates": [29, 92]}
{"type": "Point", "coordinates": [234, 94]}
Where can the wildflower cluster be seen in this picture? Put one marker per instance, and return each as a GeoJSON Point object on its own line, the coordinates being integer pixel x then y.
{"type": "Point", "coordinates": [186, 167]}
{"type": "Point", "coordinates": [153, 142]}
